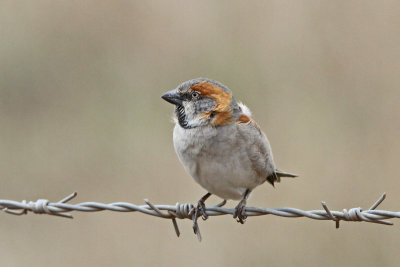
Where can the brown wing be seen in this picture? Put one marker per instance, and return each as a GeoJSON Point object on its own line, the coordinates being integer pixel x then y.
{"type": "Point", "coordinates": [257, 148]}
{"type": "Point", "coordinates": [259, 151]}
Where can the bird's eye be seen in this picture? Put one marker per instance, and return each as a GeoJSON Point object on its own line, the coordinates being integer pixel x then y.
{"type": "Point", "coordinates": [195, 94]}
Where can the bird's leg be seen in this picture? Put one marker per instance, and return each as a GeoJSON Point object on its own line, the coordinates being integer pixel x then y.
{"type": "Point", "coordinates": [201, 207]}
{"type": "Point", "coordinates": [240, 208]}
{"type": "Point", "coordinates": [200, 210]}
{"type": "Point", "coordinates": [221, 204]}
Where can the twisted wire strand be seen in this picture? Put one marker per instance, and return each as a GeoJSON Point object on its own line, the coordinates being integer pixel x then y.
{"type": "Point", "coordinates": [186, 211]}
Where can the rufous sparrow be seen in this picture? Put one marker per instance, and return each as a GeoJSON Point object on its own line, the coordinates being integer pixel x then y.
{"type": "Point", "coordinates": [219, 144]}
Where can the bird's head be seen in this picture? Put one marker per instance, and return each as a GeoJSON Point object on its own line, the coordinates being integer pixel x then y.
{"type": "Point", "coordinates": [202, 101]}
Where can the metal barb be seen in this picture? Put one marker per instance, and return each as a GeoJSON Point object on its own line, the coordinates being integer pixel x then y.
{"type": "Point", "coordinates": [175, 223]}
{"type": "Point", "coordinates": [156, 209]}
{"type": "Point", "coordinates": [195, 226]}
{"type": "Point", "coordinates": [68, 198]}
{"type": "Point", "coordinates": [378, 202]}
{"type": "Point", "coordinates": [333, 218]}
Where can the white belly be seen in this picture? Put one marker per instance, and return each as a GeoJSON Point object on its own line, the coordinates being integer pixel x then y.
{"type": "Point", "coordinates": [225, 180]}
{"type": "Point", "coordinates": [217, 161]}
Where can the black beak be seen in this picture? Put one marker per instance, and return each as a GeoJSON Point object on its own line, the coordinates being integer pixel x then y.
{"type": "Point", "coordinates": [172, 97]}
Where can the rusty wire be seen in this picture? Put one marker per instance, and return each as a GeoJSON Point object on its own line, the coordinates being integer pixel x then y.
{"type": "Point", "coordinates": [186, 211]}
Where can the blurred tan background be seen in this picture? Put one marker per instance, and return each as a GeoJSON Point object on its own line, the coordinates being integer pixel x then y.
{"type": "Point", "coordinates": [80, 110]}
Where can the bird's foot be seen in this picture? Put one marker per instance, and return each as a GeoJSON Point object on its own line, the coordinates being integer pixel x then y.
{"type": "Point", "coordinates": [199, 211]}
{"type": "Point", "coordinates": [240, 211]}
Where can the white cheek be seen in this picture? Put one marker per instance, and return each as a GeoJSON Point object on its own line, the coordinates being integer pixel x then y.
{"type": "Point", "coordinates": [196, 121]}
{"type": "Point", "coordinates": [192, 119]}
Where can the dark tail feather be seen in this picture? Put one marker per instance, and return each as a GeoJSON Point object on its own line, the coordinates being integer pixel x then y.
{"type": "Point", "coordinates": [285, 174]}
{"type": "Point", "coordinates": [276, 176]}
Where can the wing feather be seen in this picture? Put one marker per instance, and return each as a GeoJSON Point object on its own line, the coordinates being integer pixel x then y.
{"type": "Point", "coordinates": [258, 148]}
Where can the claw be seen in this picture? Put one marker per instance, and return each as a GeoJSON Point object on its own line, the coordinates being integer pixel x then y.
{"type": "Point", "coordinates": [199, 211]}
{"type": "Point", "coordinates": [240, 209]}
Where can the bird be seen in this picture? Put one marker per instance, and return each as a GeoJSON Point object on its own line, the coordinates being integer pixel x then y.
{"type": "Point", "coordinates": [219, 144]}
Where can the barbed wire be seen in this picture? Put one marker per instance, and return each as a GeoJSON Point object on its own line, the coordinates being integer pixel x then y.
{"type": "Point", "coordinates": [187, 211]}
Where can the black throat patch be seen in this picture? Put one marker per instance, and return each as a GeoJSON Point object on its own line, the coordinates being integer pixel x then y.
{"type": "Point", "coordinates": [180, 113]}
